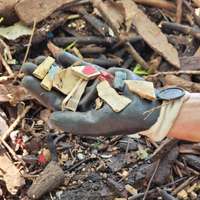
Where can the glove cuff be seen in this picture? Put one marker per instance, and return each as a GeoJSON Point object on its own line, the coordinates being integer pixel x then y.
{"type": "Point", "coordinates": [168, 114]}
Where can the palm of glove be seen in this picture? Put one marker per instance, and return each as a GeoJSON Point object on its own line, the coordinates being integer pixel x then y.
{"type": "Point", "coordinates": [86, 120]}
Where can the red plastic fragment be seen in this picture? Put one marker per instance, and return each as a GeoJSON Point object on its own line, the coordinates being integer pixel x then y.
{"type": "Point", "coordinates": [106, 76]}
{"type": "Point", "coordinates": [20, 142]}
{"type": "Point", "coordinates": [88, 70]}
{"type": "Point", "coordinates": [41, 158]}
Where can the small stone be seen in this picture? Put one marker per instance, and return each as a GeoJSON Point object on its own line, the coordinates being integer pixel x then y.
{"type": "Point", "coordinates": [47, 155]}
{"type": "Point", "coordinates": [182, 194]}
{"type": "Point", "coordinates": [94, 151]}
{"type": "Point", "coordinates": [104, 175]}
{"type": "Point", "coordinates": [80, 156]}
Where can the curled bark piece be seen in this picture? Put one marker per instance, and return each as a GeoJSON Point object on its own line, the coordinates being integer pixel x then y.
{"type": "Point", "coordinates": [153, 36]}
{"type": "Point", "coordinates": [52, 176]}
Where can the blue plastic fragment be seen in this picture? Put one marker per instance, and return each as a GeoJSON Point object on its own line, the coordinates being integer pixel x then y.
{"type": "Point", "coordinates": [120, 74]}
{"type": "Point", "coordinates": [53, 71]}
{"type": "Point", "coordinates": [118, 83]}
{"type": "Point", "coordinates": [50, 35]}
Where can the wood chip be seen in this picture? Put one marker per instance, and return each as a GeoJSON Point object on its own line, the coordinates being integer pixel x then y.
{"type": "Point", "coordinates": [130, 189]}
{"type": "Point", "coordinates": [111, 97]}
{"type": "Point", "coordinates": [142, 88]}
{"type": "Point", "coordinates": [44, 67]}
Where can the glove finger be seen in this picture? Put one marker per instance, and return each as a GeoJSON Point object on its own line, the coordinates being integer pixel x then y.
{"type": "Point", "coordinates": [28, 68]}
{"type": "Point", "coordinates": [52, 100]}
{"type": "Point", "coordinates": [66, 59]}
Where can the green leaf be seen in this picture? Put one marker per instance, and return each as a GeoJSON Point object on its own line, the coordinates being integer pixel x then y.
{"type": "Point", "coordinates": [1, 19]}
{"type": "Point", "coordinates": [142, 155]}
{"type": "Point", "coordinates": [71, 45]}
{"type": "Point", "coordinates": [95, 144]}
{"type": "Point", "coordinates": [143, 72]}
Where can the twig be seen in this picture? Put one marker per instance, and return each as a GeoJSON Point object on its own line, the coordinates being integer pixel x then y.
{"type": "Point", "coordinates": [125, 176]}
{"type": "Point", "coordinates": [182, 28]}
{"type": "Point", "coordinates": [149, 184]}
{"type": "Point", "coordinates": [137, 196]}
{"type": "Point", "coordinates": [186, 167]}
{"type": "Point", "coordinates": [6, 78]}
{"type": "Point", "coordinates": [7, 51]}
{"type": "Point", "coordinates": [127, 148]}
{"type": "Point", "coordinates": [178, 11]}
{"type": "Point", "coordinates": [16, 122]}
{"type": "Point", "coordinates": [7, 66]}
{"type": "Point", "coordinates": [11, 151]}
{"type": "Point", "coordinates": [186, 183]}
{"type": "Point", "coordinates": [172, 73]}
{"type": "Point", "coordinates": [190, 169]}
{"type": "Point", "coordinates": [27, 50]}
{"type": "Point", "coordinates": [187, 5]}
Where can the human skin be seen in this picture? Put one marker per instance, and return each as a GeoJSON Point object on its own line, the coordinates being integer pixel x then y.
{"type": "Point", "coordinates": [187, 124]}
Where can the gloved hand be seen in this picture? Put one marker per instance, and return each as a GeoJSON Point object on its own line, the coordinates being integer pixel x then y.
{"type": "Point", "coordinates": [86, 120]}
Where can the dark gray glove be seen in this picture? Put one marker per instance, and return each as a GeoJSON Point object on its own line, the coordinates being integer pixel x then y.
{"type": "Point", "coordinates": [86, 120]}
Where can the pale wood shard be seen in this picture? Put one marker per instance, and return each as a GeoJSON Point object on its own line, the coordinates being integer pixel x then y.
{"type": "Point", "coordinates": [71, 93]}
{"type": "Point", "coordinates": [74, 101]}
{"type": "Point", "coordinates": [142, 88]}
{"type": "Point", "coordinates": [44, 67]}
{"type": "Point", "coordinates": [153, 36]}
{"type": "Point", "coordinates": [47, 83]}
{"type": "Point", "coordinates": [90, 73]}
{"type": "Point", "coordinates": [10, 173]}
{"type": "Point", "coordinates": [130, 189]}
{"type": "Point", "coordinates": [111, 97]}
{"type": "Point", "coordinates": [65, 81]}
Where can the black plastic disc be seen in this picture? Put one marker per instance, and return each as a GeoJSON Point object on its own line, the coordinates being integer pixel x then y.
{"type": "Point", "coordinates": [171, 93]}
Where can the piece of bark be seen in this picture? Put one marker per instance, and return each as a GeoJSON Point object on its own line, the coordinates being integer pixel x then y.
{"type": "Point", "coordinates": [158, 4]}
{"type": "Point", "coordinates": [8, 91]}
{"type": "Point", "coordinates": [97, 27]}
{"type": "Point", "coordinates": [117, 187]}
{"type": "Point", "coordinates": [28, 10]}
{"type": "Point", "coordinates": [164, 168]}
{"type": "Point", "coordinates": [11, 175]}
{"type": "Point", "coordinates": [196, 146]}
{"type": "Point", "coordinates": [52, 177]}
{"type": "Point", "coordinates": [187, 148]}
{"type": "Point", "coordinates": [152, 35]}
{"type": "Point", "coordinates": [111, 97]}
{"type": "Point", "coordinates": [165, 147]}
{"type": "Point", "coordinates": [192, 47]}
{"type": "Point", "coordinates": [179, 82]}
{"type": "Point", "coordinates": [192, 161]}
{"type": "Point", "coordinates": [7, 10]}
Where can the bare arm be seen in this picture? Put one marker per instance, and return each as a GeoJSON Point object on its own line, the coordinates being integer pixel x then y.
{"type": "Point", "coordinates": [187, 124]}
